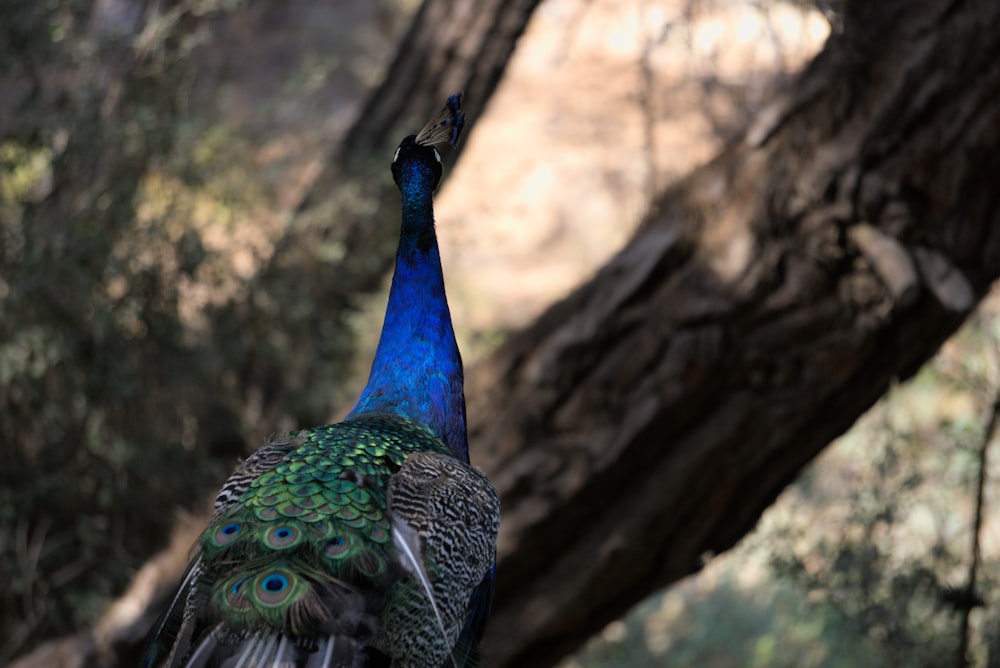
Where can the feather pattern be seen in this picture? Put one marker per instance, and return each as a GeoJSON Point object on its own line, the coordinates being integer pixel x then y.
{"type": "Point", "coordinates": [446, 126]}
{"type": "Point", "coordinates": [370, 542]}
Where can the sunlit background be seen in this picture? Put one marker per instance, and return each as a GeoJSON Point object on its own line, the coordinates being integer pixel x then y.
{"type": "Point", "coordinates": [115, 341]}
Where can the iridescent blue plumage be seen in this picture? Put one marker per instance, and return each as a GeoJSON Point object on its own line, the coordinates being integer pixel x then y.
{"type": "Point", "coordinates": [367, 542]}
{"type": "Point", "coordinates": [417, 370]}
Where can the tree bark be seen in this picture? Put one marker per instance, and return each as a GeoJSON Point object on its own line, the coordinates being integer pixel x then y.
{"type": "Point", "coordinates": [645, 422]}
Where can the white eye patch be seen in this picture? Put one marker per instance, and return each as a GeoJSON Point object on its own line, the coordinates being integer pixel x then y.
{"type": "Point", "coordinates": [395, 156]}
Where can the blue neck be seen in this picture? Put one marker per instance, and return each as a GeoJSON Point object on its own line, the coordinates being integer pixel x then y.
{"type": "Point", "coordinates": [417, 370]}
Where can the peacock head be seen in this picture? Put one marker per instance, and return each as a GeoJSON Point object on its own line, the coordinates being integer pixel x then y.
{"type": "Point", "coordinates": [417, 164]}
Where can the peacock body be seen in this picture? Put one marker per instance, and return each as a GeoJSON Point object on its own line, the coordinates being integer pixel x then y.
{"type": "Point", "coordinates": [370, 542]}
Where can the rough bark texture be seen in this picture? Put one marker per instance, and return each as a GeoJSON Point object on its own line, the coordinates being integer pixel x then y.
{"type": "Point", "coordinates": [766, 302]}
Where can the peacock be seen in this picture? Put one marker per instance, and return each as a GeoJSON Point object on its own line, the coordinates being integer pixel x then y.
{"type": "Point", "coordinates": [370, 542]}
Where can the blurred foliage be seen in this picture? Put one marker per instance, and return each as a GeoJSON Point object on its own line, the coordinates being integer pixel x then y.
{"type": "Point", "coordinates": [865, 560]}
{"type": "Point", "coordinates": [142, 285]}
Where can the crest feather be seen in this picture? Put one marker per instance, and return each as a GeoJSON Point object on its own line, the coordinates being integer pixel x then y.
{"type": "Point", "coordinates": [446, 126]}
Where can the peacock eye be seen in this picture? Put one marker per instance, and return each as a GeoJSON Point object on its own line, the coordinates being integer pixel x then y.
{"type": "Point", "coordinates": [282, 537]}
{"type": "Point", "coordinates": [275, 582]}
{"type": "Point", "coordinates": [436, 154]}
{"type": "Point", "coordinates": [277, 588]}
{"type": "Point", "coordinates": [395, 156]}
{"type": "Point", "coordinates": [225, 534]}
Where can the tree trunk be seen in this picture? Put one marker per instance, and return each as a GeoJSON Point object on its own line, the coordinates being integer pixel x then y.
{"type": "Point", "coordinates": [646, 421]}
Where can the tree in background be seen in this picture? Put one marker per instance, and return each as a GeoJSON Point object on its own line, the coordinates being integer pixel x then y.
{"type": "Point", "coordinates": [93, 357]}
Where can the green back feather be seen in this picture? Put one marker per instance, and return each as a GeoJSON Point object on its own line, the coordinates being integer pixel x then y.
{"type": "Point", "coordinates": [313, 529]}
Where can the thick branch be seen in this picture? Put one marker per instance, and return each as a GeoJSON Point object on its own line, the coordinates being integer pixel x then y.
{"type": "Point", "coordinates": [765, 303]}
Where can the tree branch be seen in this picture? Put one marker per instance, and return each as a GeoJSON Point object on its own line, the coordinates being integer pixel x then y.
{"type": "Point", "coordinates": [648, 419]}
